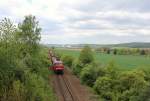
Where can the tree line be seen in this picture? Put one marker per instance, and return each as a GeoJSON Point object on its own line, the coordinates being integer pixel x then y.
{"type": "Point", "coordinates": [124, 51]}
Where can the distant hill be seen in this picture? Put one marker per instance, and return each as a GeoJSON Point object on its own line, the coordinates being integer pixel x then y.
{"type": "Point", "coordinates": [134, 45]}
{"type": "Point", "coordinates": [128, 45]}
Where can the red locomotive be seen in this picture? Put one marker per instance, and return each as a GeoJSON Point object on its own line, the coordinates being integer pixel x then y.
{"type": "Point", "coordinates": [57, 65]}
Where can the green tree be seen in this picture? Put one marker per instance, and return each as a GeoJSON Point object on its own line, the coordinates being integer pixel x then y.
{"type": "Point", "coordinates": [115, 51]}
{"type": "Point", "coordinates": [86, 55]}
{"type": "Point", "coordinates": [7, 29]}
{"type": "Point", "coordinates": [142, 52]}
{"type": "Point", "coordinates": [29, 35]}
{"type": "Point", "coordinates": [17, 82]}
{"type": "Point", "coordinates": [8, 57]}
{"type": "Point", "coordinates": [7, 46]}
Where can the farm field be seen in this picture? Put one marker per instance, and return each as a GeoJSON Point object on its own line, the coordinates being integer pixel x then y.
{"type": "Point", "coordinates": [127, 62]}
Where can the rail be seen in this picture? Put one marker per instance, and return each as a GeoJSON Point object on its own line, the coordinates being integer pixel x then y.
{"type": "Point", "coordinates": [65, 89]}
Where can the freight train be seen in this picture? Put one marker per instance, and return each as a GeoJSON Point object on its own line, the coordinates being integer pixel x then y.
{"type": "Point", "coordinates": [57, 64]}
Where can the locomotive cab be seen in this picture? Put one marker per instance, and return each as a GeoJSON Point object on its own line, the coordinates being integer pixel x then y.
{"type": "Point", "coordinates": [58, 66]}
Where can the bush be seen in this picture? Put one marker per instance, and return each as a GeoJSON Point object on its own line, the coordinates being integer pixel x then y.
{"type": "Point", "coordinates": [144, 95]}
{"type": "Point", "coordinates": [77, 67]}
{"type": "Point", "coordinates": [115, 51]}
{"type": "Point", "coordinates": [121, 86]}
{"type": "Point", "coordinates": [132, 79]}
{"type": "Point", "coordinates": [112, 70]}
{"type": "Point", "coordinates": [103, 86]}
{"type": "Point", "coordinates": [18, 92]}
{"type": "Point", "coordinates": [130, 85]}
{"type": "Point", "coordinates": [90, 73]}
{"type": "Point", "coordinates": [37, 89]}
{"type": "Point", "coordinates": [68, 60]}
{"type": "Point", "coordinates": [147, 73]}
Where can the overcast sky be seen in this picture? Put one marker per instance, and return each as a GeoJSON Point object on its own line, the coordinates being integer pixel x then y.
{"type": "Point", "coordinates": [84, 21]}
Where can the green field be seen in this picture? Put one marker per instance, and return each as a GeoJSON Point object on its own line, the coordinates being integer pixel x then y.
{"type": "Point", "coordinates": [122, 61]}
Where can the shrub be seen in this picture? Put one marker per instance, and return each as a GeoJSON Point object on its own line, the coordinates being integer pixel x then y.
{"type": "Point", "coordinates": [90, 73]}
{"type": "Point", "coordinates": [115, 51]}
{"type": "Point", "coordinates": [77, 67]}
{"type": "Point", "coordinates": [131, 85]}
{"type": "Point", "coordinates": [68, 60]}
{"type": "Point", "coordinates": [144, 95]}
{"type": "Point", "coordinates": [142, 52]}
{"type": "Point", "coordinates": [103, 86]}
{"type": "Point", "coordinates": [112, 70]}
{"type": "Point", "coordinates": [18, 92]}
{"type": "Point", "coordinates": [37, 89]}
{"type": "Point", "coordinates": [132, 79]}
{"type": "Point", "coordinates": [146, 72]}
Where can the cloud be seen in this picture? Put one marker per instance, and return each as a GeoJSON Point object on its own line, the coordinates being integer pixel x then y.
{"type": "Point", "coordinates": [80, 21]}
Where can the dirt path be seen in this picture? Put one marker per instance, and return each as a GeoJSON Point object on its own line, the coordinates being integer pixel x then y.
{"type": "Point", "coordinates": [69, 85]}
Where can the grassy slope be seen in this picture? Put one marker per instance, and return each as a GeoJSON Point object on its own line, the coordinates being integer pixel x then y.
{"type": "Point", "coordinates": [124, 61]}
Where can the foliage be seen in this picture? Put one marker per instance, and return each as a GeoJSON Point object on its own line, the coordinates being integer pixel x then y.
{"type": "Point", "coordinates": [144, 94]}
{"type": "Point", "coordinates": [22, 60]}
{"type": "Point", "coordinates": [28, 35]}
{"type": "Point", "coordinates": [142, 52]}
{"type": "Point", "coordinates": [146, 71]}
{"type": "Point", "coordinates": [115, 52]}
{"type": "Point", "coordinates": [37, 90]}
{"type": "Point", "coordinates": [124, 51]}
{"type": "Point", "coordinates": [77, 67]}
{"type": "Point", "coordinates": [68, 60]}
{"type": "Point", "coordinates": [112, 70]}
{"type": "Point", "coordinates": [7, 29]}
{"type": "Point", "coordinates": [126, 87]}
{"type": "Point", "coordinates": [110, 81]}
{"type": "Point", "coordinates": [90, 73]}
{"type": "Point", "coordinates": [86, 55]}
{"type": "Point", "coordinates": [103, 86]}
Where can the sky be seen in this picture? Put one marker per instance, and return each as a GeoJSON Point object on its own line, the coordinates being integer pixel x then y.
{"type": "Point", "coordinates": [84, 21]}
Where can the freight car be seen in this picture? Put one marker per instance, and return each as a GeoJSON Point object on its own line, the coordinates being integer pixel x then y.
{"type": "Point", "coordinates": [57, 64]}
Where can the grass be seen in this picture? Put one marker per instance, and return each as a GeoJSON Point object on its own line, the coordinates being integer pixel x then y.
{"type": "Point", "coordinates": [122, 61]}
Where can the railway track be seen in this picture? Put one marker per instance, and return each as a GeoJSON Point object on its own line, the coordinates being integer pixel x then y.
{"type": "Point", "coordinates": [65, 89]}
